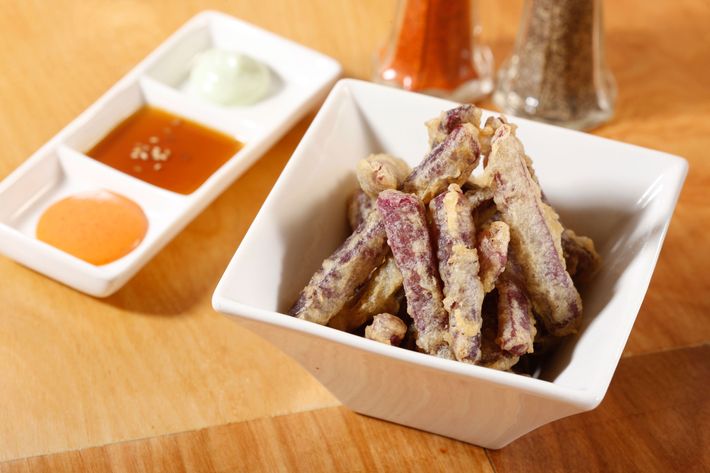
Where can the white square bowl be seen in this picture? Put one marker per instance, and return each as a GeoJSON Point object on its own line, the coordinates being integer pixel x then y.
{"type": "Point", "coordinates": [621, 195]}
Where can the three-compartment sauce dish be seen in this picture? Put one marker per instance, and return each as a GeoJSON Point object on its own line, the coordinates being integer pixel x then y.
{"type": "Point", "coordinates": [106, 193]}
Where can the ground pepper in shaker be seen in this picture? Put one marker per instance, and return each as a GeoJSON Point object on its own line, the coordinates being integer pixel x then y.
{"type": "Point", "coordinates": [434, 49]}
{"type": "Point", "coordinates": [557, 73]}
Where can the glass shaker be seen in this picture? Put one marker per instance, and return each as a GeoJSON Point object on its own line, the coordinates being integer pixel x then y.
{"type": "Point", "coordinates": [434, 49]}
{"type": "Point", "coordinates": [557, 73]}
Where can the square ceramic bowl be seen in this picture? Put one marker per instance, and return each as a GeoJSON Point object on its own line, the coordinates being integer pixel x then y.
{"type": "Point", "coordinates": [300, 78]}
{"type": "Point", "coordinates": [621, 195]}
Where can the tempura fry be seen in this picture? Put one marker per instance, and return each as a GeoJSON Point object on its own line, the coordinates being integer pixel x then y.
{"type": "Point", "coordinates": [359, 206]}
{"type": "Point", "coordinates": [492, 355]}
{"type": "Point", "coordinates": [492, 246]}
{"type": "Point", "coordinates": [516, 323]}
{"type": "Point", "coordinates": [451, 162]}
{"type": "Point", "coordinates": [535, 234]}
{"type": "Point", "coordinates": [386, 328]}
{"type": "Point", "coordinates": [458, 267]}
{"type": "Point", "coordinates": [335, 282]}
{"type": "Point", "coordinates": [581, 257]}
{"type": "Point", "coordinates": [437, 286]}
{"type": "Point", "coordinates": [408, 237]}
{"type": "Point", "coordinates": [378, 172]}
{"type": "Point", "coordinates": [486, 133]}
{"type": "Point", "coordinates": [440, 127]}
{"type": "Point", "coordinates": [379, 295]}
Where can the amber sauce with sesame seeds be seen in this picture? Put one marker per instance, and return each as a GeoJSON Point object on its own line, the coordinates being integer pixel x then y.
{"type": "Point", "coordinates": [165, 150]}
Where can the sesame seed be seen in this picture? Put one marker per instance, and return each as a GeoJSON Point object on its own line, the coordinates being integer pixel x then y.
{"type": "Point", "coordinates": [157, 166]}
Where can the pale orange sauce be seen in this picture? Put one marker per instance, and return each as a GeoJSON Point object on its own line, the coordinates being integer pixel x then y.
{"type": "Point", "coordinates": [165, 150]}
{"type": "Point", "coordinates": [98, 227]}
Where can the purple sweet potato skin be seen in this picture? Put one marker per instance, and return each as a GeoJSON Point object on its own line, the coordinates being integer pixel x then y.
{"type": "Point", "coordinates": [408, 237]}
{"type": "Point", "coordinates": [451, 162]}
{"type": "Point", "coordinates": [335, 283]}
{"type": "Point", "coordinates": [535, 234]}
{"type": "Point", "coordinates": [459, 267]}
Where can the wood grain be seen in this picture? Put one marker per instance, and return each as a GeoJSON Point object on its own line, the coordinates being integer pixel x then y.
{"type": "Point", "coordinates": [663, 104]}
{"type": "Point", "coordinates": [332, 439]}
{"type": "Point", "coordinates": [633, 430]}
{"type": "Point", "coordinates": [154, 359]}
{"type": "Point", "coordinates": [655, 417]}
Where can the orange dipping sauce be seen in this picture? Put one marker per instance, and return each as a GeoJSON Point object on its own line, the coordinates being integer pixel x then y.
{"type": "Point", "coordinates": [165, 150]}
{"type": "Point", "coordinates": [98, 227]}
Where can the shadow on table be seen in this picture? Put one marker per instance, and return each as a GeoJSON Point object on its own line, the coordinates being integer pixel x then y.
{"type": "Point", "coordinates": [186, 271]}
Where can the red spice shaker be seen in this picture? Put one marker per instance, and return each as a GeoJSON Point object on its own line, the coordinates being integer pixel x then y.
{"type": "Point", "coordinates": [434, 49]}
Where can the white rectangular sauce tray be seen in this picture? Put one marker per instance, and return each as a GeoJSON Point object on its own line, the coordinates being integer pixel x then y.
{"type": "Point", "coordinates": [300, 78]}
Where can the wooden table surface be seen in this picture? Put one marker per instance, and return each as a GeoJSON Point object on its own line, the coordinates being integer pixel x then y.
{"type": "Point", "coordinates": [152, 379]}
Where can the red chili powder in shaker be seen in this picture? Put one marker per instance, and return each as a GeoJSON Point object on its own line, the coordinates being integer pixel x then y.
{"type": "Point", "coordinates": [432, 47]}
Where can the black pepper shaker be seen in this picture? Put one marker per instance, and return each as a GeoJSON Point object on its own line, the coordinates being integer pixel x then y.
{"type": "Point", "coordinates": [557, 73]}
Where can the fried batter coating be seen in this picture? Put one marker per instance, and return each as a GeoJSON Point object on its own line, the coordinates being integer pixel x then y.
{"type": "Point", "coordinates": [451, 162]}
{"type": "Point", "coordinates": [379, 295]}
{"type": "Point", "coordinates": [492, 355]}
{"type": "Point", "coordinates": [516, 323]}
{"type": "Point", "coordinates": [535, 234]}
{"type": "Point", "coordinates": [359, 206]}
{"type": "Point", "coordinates": [580, 255]}
{"type": "Point", "coordinates": [440, 127]}
{"type": "Point", "coordinates": [378, 172]}
{"type": "Point", "coordinates": [521, 250]}
{"type": "Point", "coordinates": [477, 195]}
{"type": "Point", "coordinates": [386, 328]}
{"type": "Point", "coordinates": [458, 267]}
{"type": "Point", "coordinates": [408, 237]}
{"type": "Point", "coordinates": [493, 241]}
{"type": "Point", "coordinates": [341, 273]}
{"type": "Point", "coordinates": [486, 133]}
